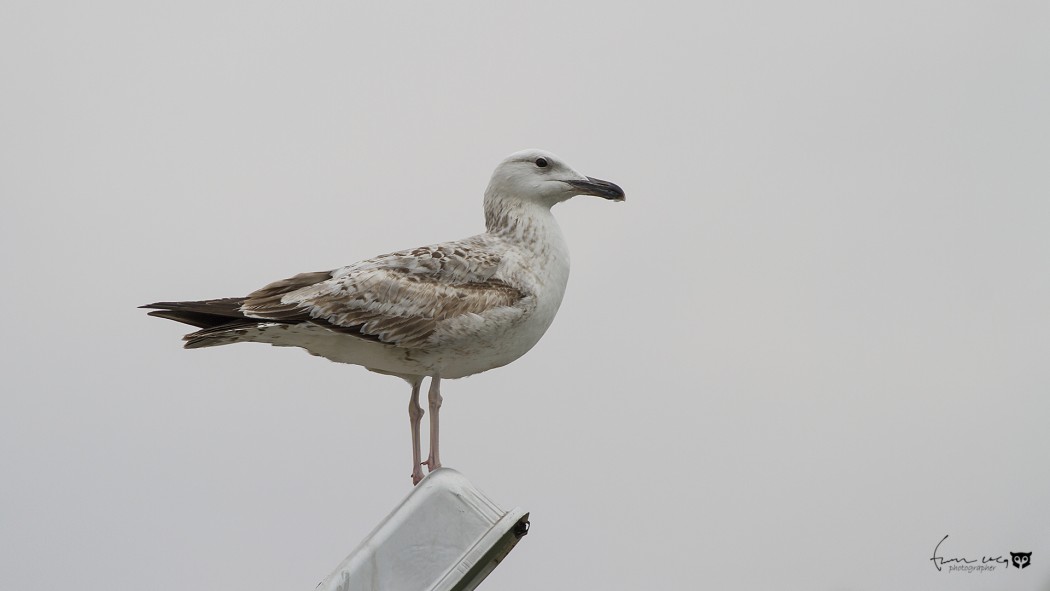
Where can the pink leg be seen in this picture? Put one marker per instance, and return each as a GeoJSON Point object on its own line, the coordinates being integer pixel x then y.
{"type": "Point", "coordinates": [434, 461]}
{"type": "Point", "coordinates": [415, 415]}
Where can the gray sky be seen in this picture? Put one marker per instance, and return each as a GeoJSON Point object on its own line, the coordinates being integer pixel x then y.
{"type": "Point", "coordinates": [812, 342]}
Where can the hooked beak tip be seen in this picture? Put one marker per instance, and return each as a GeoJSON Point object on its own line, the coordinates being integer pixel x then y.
{"type": "Point", "coordinates": [599, 188]}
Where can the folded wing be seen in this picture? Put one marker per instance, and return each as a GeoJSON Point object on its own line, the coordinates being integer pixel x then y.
{"type": "Point", "coordinates": [400, 299]}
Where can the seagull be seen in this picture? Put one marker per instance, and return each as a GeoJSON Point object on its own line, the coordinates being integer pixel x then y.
{"type": "Point", "coordinates": [444, 311]}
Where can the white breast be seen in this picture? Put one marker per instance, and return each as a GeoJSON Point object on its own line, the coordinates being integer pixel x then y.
{"type": "Point", "coordinates": [535, 260]}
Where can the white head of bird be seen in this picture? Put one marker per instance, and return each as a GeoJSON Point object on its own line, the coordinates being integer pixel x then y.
{"type": "Point", "coordinates": [541, 178]}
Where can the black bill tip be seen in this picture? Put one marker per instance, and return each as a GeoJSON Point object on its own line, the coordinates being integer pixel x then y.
{"type": "Point", "coordinates": [599, 188]}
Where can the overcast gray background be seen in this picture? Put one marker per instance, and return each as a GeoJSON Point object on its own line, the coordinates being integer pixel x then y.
{"type": "Point", "coordinates": [812, 342]}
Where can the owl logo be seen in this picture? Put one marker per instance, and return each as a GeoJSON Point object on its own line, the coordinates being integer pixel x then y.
{"type": "Point", "coordinates": [1021, 559]}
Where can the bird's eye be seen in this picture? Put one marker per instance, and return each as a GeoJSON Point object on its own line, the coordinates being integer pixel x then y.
{"type": "Point", "coordinates": [541, 162]}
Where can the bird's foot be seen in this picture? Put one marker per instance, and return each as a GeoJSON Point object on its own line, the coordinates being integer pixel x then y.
{"type": "Point", "coordinates": [432, 464]}
{"type": "Point", "coordinates": [417, 475]}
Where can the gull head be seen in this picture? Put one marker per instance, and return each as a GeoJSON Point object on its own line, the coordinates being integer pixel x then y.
{"type": "Point", "coordinates": [541, 177]}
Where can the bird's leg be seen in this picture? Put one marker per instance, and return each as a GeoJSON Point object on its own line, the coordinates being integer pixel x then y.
{"type": "Point", "coordinates": [415, 415]}
{"type": "Point", "coordinates": [434, 461]}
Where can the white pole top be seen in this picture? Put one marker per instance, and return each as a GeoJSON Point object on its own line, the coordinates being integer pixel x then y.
{"type": "Point", "coordinates": [446, 535]}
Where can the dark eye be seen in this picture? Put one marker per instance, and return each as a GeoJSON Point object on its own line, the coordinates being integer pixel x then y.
{"type": "Point", "coordinates": [541, 162]}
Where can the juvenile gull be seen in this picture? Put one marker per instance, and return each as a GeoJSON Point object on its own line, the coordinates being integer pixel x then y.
{"type": "Point", "coordinates": [448, 310]}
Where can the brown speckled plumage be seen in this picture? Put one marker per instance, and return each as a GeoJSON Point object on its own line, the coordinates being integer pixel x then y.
{"type": "Point", "coordinates": [445, 311]}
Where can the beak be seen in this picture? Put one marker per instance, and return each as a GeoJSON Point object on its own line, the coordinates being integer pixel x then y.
{"type": "Point", "coordinates": [598, 188]}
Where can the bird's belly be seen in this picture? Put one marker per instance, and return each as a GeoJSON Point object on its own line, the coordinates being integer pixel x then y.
{"type": "Point", "coordinates": [453, 360]}
{"type": "Point", "coordinates": [343, 348]}
{"type": "Point", "coordinates": [475, 343]}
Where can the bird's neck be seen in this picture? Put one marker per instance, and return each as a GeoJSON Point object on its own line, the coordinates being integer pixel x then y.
{"type": "Point", "coordinates": [530, 227]}
{"type": "Point", "coordinates": [517, 219]}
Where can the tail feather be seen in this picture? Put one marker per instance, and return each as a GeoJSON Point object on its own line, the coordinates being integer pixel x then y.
{"type": "Point", "coordinates": [220, 320]}
{"type": "Point", "coordinates": [224, 334]}
{"type": "Point", "coordinates": [202, 314]}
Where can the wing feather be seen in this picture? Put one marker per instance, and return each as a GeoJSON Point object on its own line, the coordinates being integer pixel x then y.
{"type": "Point", "coordinates": [400, 299]}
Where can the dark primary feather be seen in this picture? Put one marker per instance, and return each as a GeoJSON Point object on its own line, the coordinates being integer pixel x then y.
{"type": "Point", "coordinates": [202, 314]}
{"type": "Point", "coordinates": [210, 313]}
{"type": "Point", "coordinates": [216, 317]}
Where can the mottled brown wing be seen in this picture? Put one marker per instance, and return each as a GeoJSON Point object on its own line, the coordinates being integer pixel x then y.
{"type": "Point", "coordinates": [400, 299]}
